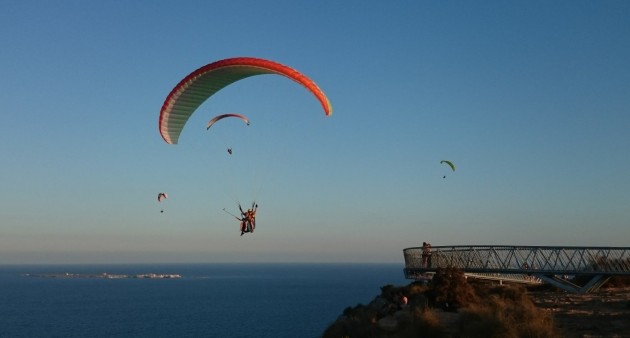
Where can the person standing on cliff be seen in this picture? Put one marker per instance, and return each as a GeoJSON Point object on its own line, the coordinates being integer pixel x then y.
{"type": "Point", "coordinates": [402, 302]}
{"type": "Point", "coordinates": [425, 255]}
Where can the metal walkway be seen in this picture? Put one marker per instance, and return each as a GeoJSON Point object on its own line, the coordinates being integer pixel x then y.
{"type": "Point", "coordinates": [524, 264]}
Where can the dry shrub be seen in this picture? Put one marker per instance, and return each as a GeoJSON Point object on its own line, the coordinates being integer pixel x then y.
{"type": "Point", "coordinates": [505, 312]}
{"type": "Point", "coordinates": [424, 324]}
{"type": "Point", "coordinates": [416, 288]}
{"type": "Point", "coordinates": [356, 322]}
{"type": "Point", "coordinates": [361, 313]}
{"type": "Point", "coordinates": [618, 282]}
{"type": "Point", "coordinates": [388, 290]}
{"type": "Point", "coordinates": [416, 295]}
{"type": "Point", "coordinates": [427, 322]}
{"type": "Point", "coordinates": [451, 291]}
{"type": "Point", "coordinates": [481, 321]}
{"type": "Point", "coordinates": [613, 282]}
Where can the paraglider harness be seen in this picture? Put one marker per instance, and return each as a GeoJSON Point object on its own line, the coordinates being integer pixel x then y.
{"type": "Point", "coordinates": [248, 220]}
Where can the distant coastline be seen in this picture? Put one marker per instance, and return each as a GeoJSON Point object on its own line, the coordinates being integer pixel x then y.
{"type": "Point", "coordinates": [104, 275]}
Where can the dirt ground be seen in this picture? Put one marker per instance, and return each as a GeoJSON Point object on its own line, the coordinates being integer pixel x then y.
{"type": "Point", "coordinates": [605, 313]}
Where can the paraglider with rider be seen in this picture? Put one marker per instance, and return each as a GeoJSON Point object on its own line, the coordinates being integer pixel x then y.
{"type": "Point", "coordinates": [221, 117]}
{"type": "Point", "coordinates": [248, 220]}
{"type": "Point", "coordinates": [201, 84]}
{"type": "Point", "coordinates": [449, 163]}
{"type": "Point", "coordinates": [162, 196]}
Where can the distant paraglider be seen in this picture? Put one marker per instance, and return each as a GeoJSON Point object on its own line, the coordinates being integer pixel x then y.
{"type": "Point", "coordinates": [162, 196]}
{"type": "Point", "coordinates": [204, 82]}
{"type": "Point", "coordinates": [450, 164]}
{"type": "Point", "coordinates": [221, 117]}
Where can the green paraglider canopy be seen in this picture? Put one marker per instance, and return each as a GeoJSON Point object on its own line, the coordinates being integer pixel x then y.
{"type": "Point", "coordinates": [450, 164]}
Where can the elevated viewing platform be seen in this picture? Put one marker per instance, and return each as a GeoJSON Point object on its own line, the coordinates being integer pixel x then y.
{"type": "Point", "coordinates": [523, 264]}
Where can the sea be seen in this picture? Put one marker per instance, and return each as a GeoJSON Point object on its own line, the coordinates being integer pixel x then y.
{"type": "Point", "coordinates": [209, 300]}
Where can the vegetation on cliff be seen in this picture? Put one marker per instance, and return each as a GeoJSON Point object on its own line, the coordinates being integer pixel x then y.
{"type": "Point", "coordinates": [448, 307]}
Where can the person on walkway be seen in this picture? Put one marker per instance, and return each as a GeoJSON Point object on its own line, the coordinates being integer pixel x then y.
{"type": "Point", "coordinates": [425, 255]}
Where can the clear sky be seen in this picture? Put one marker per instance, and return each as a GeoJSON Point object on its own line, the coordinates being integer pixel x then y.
{"type": "Point", "coordinates": [529, 99]}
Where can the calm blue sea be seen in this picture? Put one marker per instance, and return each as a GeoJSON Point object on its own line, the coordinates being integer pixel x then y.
{"type": "Point", "coordinates": [211, 300]}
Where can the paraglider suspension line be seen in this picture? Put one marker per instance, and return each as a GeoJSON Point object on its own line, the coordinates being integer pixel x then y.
{"type": "Point", "coordinates": [229, 213]}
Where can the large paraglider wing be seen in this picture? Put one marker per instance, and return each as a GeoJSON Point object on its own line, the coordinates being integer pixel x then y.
{"type": "Point", "coordinates": [162, 196]}
{"type": "Point", "coordinates": [198, 86]}
{"type": "Point", "coordinates": [450, 164]}
{"type": "Point", "coordinates": [221, 117]}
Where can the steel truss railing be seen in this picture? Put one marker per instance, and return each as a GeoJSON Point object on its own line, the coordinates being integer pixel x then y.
{"type": "Point", "coordinates": [549, 264]}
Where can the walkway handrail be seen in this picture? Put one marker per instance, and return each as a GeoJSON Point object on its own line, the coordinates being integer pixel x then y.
{"type": "Point", "coordinates": [567, 260]}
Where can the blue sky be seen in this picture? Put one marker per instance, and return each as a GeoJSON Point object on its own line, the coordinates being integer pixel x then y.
{"type": "Point", "coordinates": [531, 101]}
